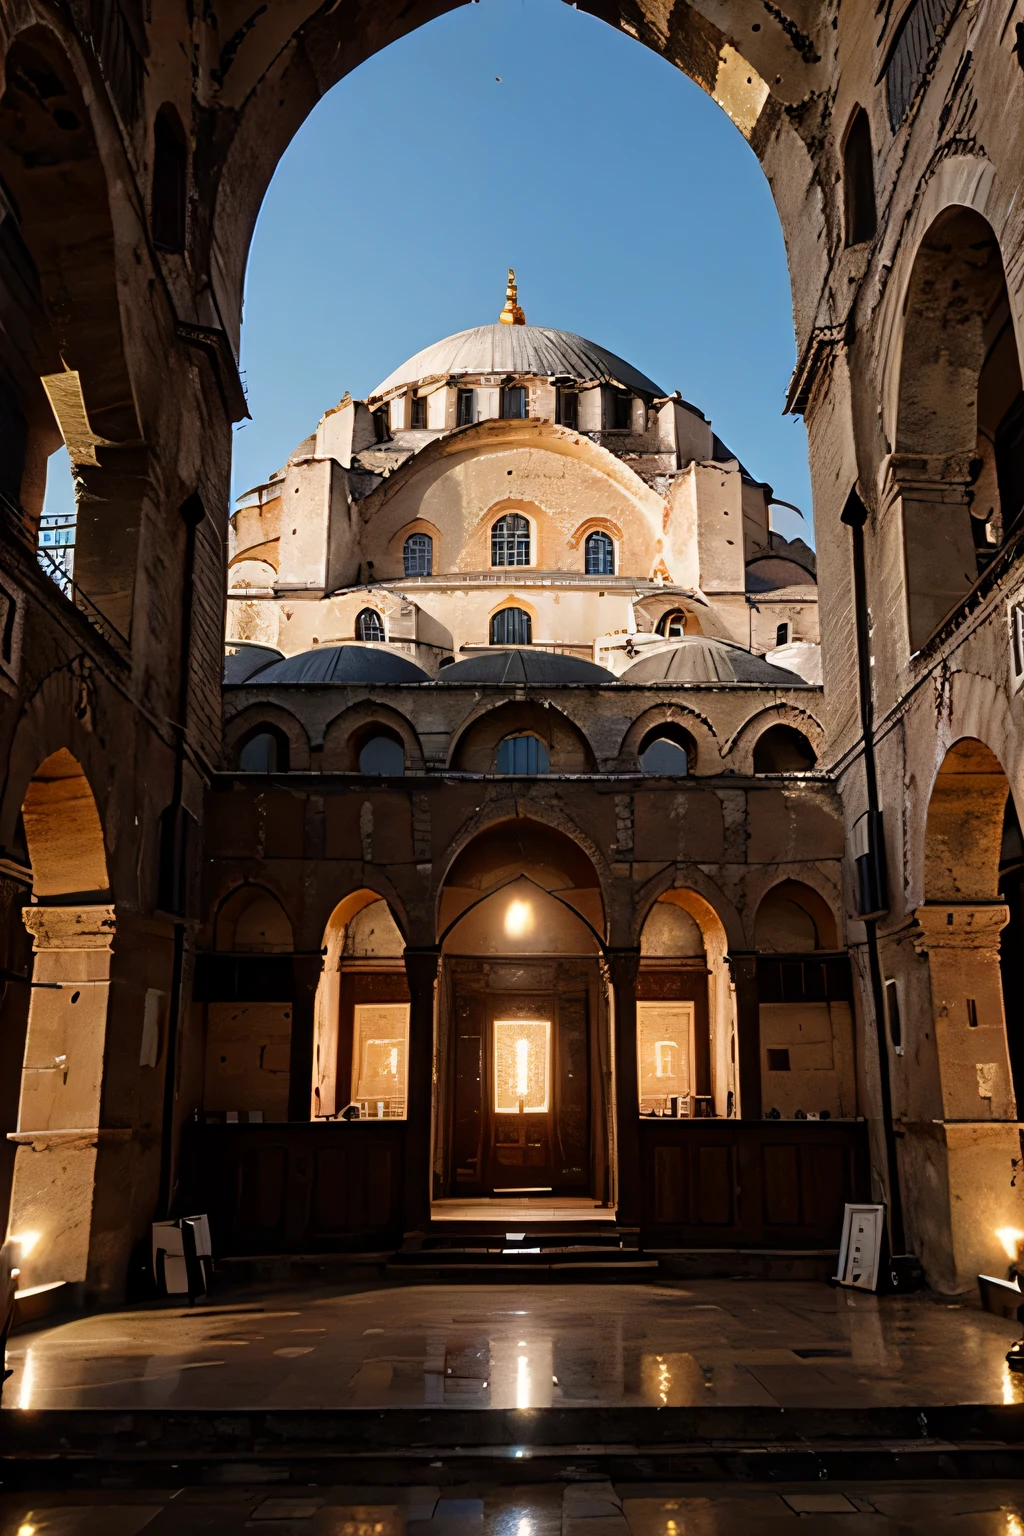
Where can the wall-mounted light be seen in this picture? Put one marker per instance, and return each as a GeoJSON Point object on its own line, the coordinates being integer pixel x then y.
{"type": "Point", "coordinates": [518, 919]}
{"type": "Point", "coordinates": [1010, 1238]}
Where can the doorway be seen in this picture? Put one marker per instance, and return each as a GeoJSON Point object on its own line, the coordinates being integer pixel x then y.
{"type": "Point", "coordinates": [522, 1069]}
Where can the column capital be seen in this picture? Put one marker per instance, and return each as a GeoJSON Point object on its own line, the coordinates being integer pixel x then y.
{"type": "Point", "coordinates": [421, 963]}
{"type": "Point", "coordinates": [931, 478]}
{"type": "Point", "coordinates": [70, 927]}
{"type": "Point", "coordinates": [623, 965]}
{"type": "Point", "coordinates": [959, 925]}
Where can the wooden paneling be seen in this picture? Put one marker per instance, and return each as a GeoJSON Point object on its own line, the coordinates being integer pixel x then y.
{"type": "Point", "coordinates": [757, 1184]}
{"type": "Point", "coordinates": [296, 1188]}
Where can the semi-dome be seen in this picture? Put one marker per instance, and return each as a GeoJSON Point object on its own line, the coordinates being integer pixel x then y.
{"type": "Point", "coordinates": [526, 349]}
{"type": "Point", "coordinates": [243, 658]}
{"type": "Point", "coordinates": [343, 664]}
{"type": "Point", "coordinates": [525, 667]}
{"type": "Point", "coordinates": [699, 659]}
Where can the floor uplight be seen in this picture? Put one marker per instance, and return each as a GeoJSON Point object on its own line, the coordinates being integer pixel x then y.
{"type": "Point", "coordinates": [1010, 1237]}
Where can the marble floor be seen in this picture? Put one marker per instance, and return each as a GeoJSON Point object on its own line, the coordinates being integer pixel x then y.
{"type": "Point", "coordinates": [546, 1509]}
{"type": "Point", "coordinates": [788, 1344]}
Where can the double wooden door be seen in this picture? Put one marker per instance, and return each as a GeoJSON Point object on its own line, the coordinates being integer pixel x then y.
{"type": "Point", "coordinates": [521, 1081]}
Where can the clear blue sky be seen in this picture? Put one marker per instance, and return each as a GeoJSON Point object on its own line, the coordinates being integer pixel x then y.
{"type": "Point", "coordinates": [631, 208]}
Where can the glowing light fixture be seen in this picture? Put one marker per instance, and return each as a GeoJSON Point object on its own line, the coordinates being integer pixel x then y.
{"type": "Point", "coordinates": [26, 1241]}
{"type": "Point", "coordinates": [522, 1382]}
{"type": "Point", "coordinates": [1009, 1237]}
{"type": "Point", "coordinates": [522, 1057]}
{"type": "Point", "coordinates": [518, 919]}
{"type": "Point", "coordinates": [26, 1530]}
{"type": "Point", "coordinates": [28, 1381]}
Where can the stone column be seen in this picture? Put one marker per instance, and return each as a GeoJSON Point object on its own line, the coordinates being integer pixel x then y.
{"type": "Point", "coordinates": [306, 970]}
{"type": "Point", "coordinates": [967, 1155]}
{"type": "Point", "coordinates": [59, 1138]}
{"type": "Point", "coordinates": [743, 969]}
{"type": "Point", "coordinates": [623, 968]}
{"type": "Point", "coordinates": [421, 971]}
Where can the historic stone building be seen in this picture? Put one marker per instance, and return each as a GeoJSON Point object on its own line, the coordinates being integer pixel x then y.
{"type": "Point", "coordinates": [347, 877]}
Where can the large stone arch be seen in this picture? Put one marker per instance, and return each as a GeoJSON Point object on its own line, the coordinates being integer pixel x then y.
{"type": "Point", "coordinates": [274, 69]}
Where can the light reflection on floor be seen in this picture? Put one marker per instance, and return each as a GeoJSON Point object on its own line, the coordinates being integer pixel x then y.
{"type": "Point", "coordinates": [705, 1342]}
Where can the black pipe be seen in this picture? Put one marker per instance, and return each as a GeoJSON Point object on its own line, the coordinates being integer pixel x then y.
{"type": "Point", "coordinates": [855, 516]}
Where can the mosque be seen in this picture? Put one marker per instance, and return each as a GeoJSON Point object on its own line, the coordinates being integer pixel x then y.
{"type": "Point", "coordinates": [515, 645]}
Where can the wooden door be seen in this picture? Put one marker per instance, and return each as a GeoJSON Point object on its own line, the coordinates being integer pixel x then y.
{"type": "Point", "coordinates": [522, 1049]}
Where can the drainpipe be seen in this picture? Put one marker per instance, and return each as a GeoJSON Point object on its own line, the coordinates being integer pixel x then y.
{"type": "Point", "coordinates": [869, 856]}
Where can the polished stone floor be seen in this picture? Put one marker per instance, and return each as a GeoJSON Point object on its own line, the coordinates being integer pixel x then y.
{"type": "Point", "coordinates": [788, 1344]}
{"type": "Point", "coordinates": [547, 1509]}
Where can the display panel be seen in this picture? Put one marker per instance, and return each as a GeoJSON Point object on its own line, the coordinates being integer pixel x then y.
{"type": "Point", "coordinates": [522, 1066]}
{"type": "Point", "coordinates": [663, 1034]}
{"type": "Point", "coordinates": [380, 1060]}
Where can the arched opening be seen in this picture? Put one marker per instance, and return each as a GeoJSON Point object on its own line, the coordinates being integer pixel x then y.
{"type": "Point", "coordinates": [675, 1011]}
{"type": "Point", "coordinates": [64, 1016]}
{"type": "Point", "coordinates": [524, 754]}
{"type": "Point", "coordinates": [567, 749]}
{"type": "Point", "coordinates": [599, 554]}
{"type": "Point", "coordinates": [264, 749]}
{"type": "Point", "coordinates": [511, 626]}
{"type": "Point", "coordinates": [970, 831]}
{"type": "Point", "coordinates": [361, 1025]}
{"type": "Point", "coordinates": [668, 749]}
{"type": "Point", "coordinates": [510, 540]}
{"type": "Point", "coordinates": [783, 749]}
{"type": "Point", "coordinates": [418, 555]}
{"type": "Point", "coordinates": [59, 254]}
{"type": "Point", "coordinates": [522, 1026]}
{"type": "Point", "coordinates": [859, 180]}
{"type": "Point", "coordinates": [382, 753]}
{"type": "Point", "coordinates": [170, 181]}
{"type": "Point", "coordinates": [805, 996]}
{"type": "Point", "coordinates": [370, 626]}
{"type": "Point", "coordinates": [961, 418]}
{"type": "Point", "coordinates": [249, 1011]}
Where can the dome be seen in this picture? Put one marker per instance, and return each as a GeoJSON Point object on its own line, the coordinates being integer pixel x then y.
{"type": "Point", "coordinates": [525, 667]}
{"type": "Point", "coordinates": [529, 349]}
{"type": "Point", "coordinates": [343, 664]}
{"type": "Point", "coordinates": [702, 660]}
{"type": "Point", "coordinates": [242, 659]}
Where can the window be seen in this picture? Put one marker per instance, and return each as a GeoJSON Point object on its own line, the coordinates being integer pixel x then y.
{"type": "Point", "coordinates": [170, 181]}
{"type": "Point", "coordinates": [380, 425]}
{"type": "Point", "coordinates": [618, 410]}
{"type": "Point", "coordinates": [511, 626]}
{"type": "Point", "coordinates": [419, 411]}
{"type": "Point", "coordinates": [382, 754]}
{"type": "Point", "coordinates": [396, 412]}
{"type": "Point", "coordinates": [465, 410]}
{"type": "Point", "coordinates": [513, 403]}
{"type": "Point", "coordinates": [418, 554]}
{"type": "Point", "coordinates": [369, 625]}
{"type": "Point", "coordinates": [859, 181]}
{"type": "Point", "coordinates": [523, 755]}
{"type": "Point", "coordinates": [782, 634]}
{"type": "Point", "coordinates": [783, 750]}
{"type": "Point", "coordinates": [567, 408]}
{"type": "Point", "coordinates": [668, 750]}
{"type": "Point", "coordinates": [672, 624]}
{"type": "Point", "coordinates": [778, 1058]}
{"type": "Point", "coordinates": [1017, 643]}
{"type": "Point", "coordinates": [380, 1060]}
{"type": "Point", "coordinates": [663, 1031]}
{"type": "Point", "coordinates": [265, 751]}
{"type": "Point", "coordinates": [510, 540]}
{"type": "Point", "coordinates": [599, 555]}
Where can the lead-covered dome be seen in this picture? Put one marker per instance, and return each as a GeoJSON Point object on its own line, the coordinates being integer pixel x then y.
{"type": "Point", "coordinates": [524, 349]}
{"type": "Point", "coordinates": [525, 667]}
{"type": "Point", "coordinates": [342, 664]}
{"type": "Point", "coordinates": [699, 659]}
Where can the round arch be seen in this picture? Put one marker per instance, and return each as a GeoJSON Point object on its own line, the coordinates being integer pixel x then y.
{"type": "Point", "coordinates": [474, 748]}
{"type": "Point", "coordinates": [792, 917]}
{"type": "Point", "coordinates": [347, 733]}
{"type": "Point", "coordinates": [738, 752]}
{"type": "Point", "coordinates": [247, 721]}
{"type": "Point", "coordinates": [63, 831]}
{"type": "Point", "coordinates": [697, 725]}
{"type": "Point", "coordinates": [964, 826]}
{"type": "Point", "coordinates": [252, 917]}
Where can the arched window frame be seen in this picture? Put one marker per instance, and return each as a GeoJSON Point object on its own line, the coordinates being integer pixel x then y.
{"type": "Point", "coordinates": [169, 197]}
{"type": "Point", "coordinates": [282, 748]}
{"type": "Point", "coordinates": [418, 554]}
{"type": "Point", "coordinates": [670, 731]}
{"type": "Point", "coordinates": [381, 734]}
{"type": "Point", "coordinates": [370, 626]}
{"type": "Point", "coordinates": [522, 753]}
{"type": "Point", "coordinates": [859, 208]}
{"type": "Point", "coordinates": [673, 620]}
{"type": "Point", "coordinates": [599, 553]}
{"type": "Point", "coordinates": [511, 541]}
{"type": "Point", "coordinates": [511, 626]}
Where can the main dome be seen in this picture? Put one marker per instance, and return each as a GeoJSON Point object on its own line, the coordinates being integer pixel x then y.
{"type": "Point", "coordinates": [525, 349]}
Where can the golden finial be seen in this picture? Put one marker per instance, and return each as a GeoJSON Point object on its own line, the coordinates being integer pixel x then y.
{"type": "Point", "coordinates": [512, 314]}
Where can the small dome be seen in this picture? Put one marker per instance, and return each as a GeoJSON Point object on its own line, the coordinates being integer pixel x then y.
{"type": "Point", "coordinates": [702, 660]}
{"type": "Point", "coordinates": [525, 667]}
{"type": "Point", "coordinates": [526, 349]}
{"type": "Point", "coordinates": [242, 659]}
{"type": "Point", "coordinates": [343, 664]}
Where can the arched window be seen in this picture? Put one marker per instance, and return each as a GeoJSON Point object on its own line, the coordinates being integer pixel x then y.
{"type": "Point", "coordinates": [511, 626]}
{"type": "Point", "coordinates": [264, 750]}
{"type": "Point", "coordinates": [369, 625]}
{"type": "Point", "coordinates": [672, 624]}
{"type": "Point", "coordinates": [510, 540]}
{"type": "Point", "coordinates": [782, 749]}
{"type": "Point", "coordinates": [418, 555]}
{"type": "Point", "coordinates": [599, 555]}
{"type": "Point", "coordinates": [668, 749]}
{"type": "Point", "coordinates": [859, 181]}
{"type": "Point", "coordinates": [170, 181]}
{"type": "Point", "coordinates": [382, 754]}
{"type": "Point", "coordinates": [524, 755]}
